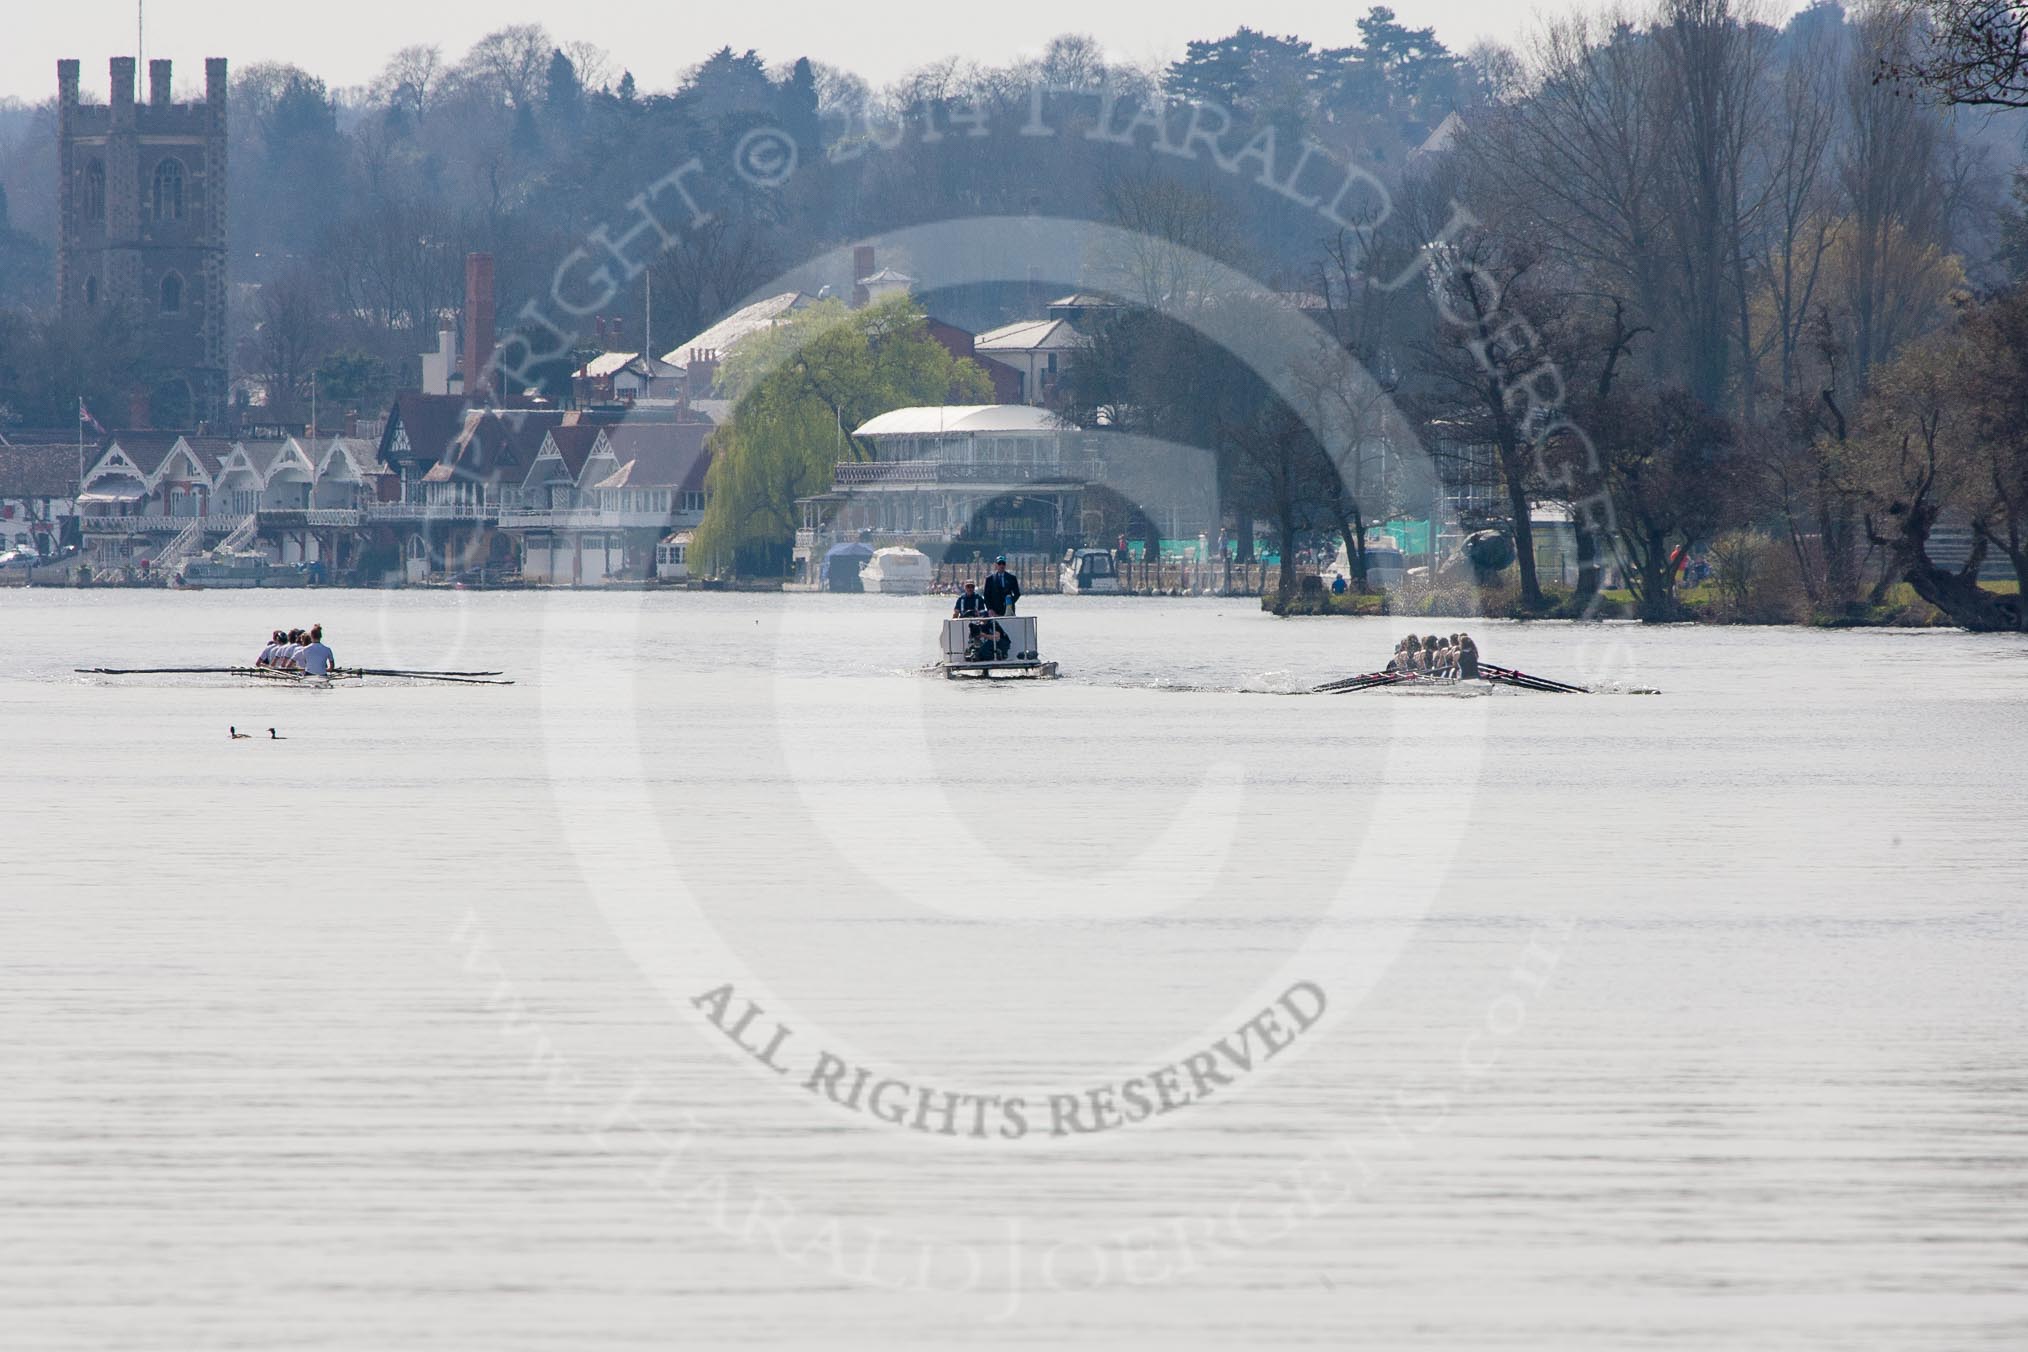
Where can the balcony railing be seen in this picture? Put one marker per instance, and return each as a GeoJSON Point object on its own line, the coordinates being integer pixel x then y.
{"type": "Point", "coordinates": [140, 523]}
{"type": "Point", "coordinates": [432, 511]}
{"type": "Point", "coordinates": [886, 472]}
{"type": "Point", "coordinates": [861, 473]}
{"type": "Point", "coordinates": [584, 518]}
{"type": "Point", "coordinates": [287, 517]}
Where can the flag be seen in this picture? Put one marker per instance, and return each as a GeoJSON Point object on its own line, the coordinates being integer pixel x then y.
{"type": "Point", "coordinates": [85, 418]}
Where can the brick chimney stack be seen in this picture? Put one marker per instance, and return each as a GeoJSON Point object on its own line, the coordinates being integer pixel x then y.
{"type": "Point", "coordinates": [863, 266]}
{"type": "Point", "coordinates": [700, 373]}
{"type": "Point", "coordinates": [478, 323]}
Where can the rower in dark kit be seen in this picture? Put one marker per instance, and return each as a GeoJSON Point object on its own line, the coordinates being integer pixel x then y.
{"type": "Point", "coordinates": [988, 640]}
{"type": "Point", "coordinates": [1468, 658]}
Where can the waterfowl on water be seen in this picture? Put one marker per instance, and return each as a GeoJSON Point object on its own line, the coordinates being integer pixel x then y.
{"type": "Point", "coordinates": [239, 736]}
{"type": "Point", "coordinates": [276, 736]}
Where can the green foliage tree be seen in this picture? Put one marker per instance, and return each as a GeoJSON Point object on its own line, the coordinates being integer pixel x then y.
{"type": "Point", "coordinates": [354, 379]}
{"type": "Point", "coordinates": [798, 391]}
{"type": "Point", "coordinates": [565, 96]}
{"type": "Point", "coordinates": [24, 262]}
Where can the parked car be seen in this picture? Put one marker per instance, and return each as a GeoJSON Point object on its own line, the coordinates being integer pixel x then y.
{"type": "Point", "coordinates": [22, 556]}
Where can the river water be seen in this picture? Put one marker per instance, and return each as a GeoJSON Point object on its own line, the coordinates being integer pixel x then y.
{"type": "Point", "coordinates": [1683, 1020]}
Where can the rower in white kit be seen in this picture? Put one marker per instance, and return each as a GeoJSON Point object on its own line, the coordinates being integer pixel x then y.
{"type": "Point", "coordinates": [313, 658]}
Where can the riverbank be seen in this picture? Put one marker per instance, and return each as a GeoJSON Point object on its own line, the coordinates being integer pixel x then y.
{"type": "Point", "coordinates": [1899, 608]}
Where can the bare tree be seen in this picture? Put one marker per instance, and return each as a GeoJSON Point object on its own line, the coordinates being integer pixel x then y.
{"type": "Point", "coordinates": [1367, 320]}
{"type": "Point", "coordinates": [1478, 363]}
{"type": "Point", "coordinates": [1278, 464]}
{"type": "Point", "coordinates": [1578, 164]}
{"type": "Point", "coordinates": [1797, 226]}
{"type": "Point", "coordinates": [409, 80]}
{"type": "Point", "coordinates": [1498, 69]}
{"type": "Point", "coordinates": [1712, 111]}
{"type": "Point", "coordinates": [1895, 270]}
{"type": "Point", "coordinates": [395, 265]}
{"type": "Point", "coordinates": [292, 336]}
{"type": "Point", "coordinates": [593, 63]}
{"type": "Point", "coordinates": [1171, 240]}
{"type": "Point", "coordinates": [1959, 51]}
{"type": "Point", "coordinates": [709, 269]}
{"type": "Point", "coordinates": [511, 64]}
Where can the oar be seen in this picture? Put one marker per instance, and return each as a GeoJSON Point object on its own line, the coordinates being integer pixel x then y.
{"type": "Point", "coordinates": [402, 671]}
{"type": "Point", "coordinates": [1519, 681]}
{"type": "Point", "coordinates": [446, 680]}
{"type": "Point", "coordinates": [164, 671]}
{"type": "Point", "coordinates": [1350, 684]}
{"type": "Point", "coordinates": [1527, 682]}
{"type": "Point", "coordinates": [1558, 687]}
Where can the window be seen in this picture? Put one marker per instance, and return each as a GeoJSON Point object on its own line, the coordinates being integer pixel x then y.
{"type": "Point", "coordinates": [693, 502]}
{"type": "Point", "coordinates": [172, 294]}
{"type": "Point", "coordinates": [169, 190]}
{"type": "Point", "coordinates": [91, 291]}
{"type": "Point", "coordinates": [95, 191]}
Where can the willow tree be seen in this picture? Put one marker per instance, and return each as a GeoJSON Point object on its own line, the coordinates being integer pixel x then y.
{"type": "Point", "coordinates": [1943, 440]}
{"type": "Point", "coordinates": [799, 390]}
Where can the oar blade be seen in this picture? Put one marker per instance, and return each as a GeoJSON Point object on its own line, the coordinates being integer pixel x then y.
{"type": "Point", "coordinates": [1350, 684]}
{"type": "Point", "coordinates": [1528, 682]}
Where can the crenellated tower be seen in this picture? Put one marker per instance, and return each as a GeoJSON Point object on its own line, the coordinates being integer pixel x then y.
{"type": "Point", "coordinates": [141, 225]}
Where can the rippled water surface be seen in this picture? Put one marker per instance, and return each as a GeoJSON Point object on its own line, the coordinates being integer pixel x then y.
{"type": "Point", "coordinates": [1687, 1020]}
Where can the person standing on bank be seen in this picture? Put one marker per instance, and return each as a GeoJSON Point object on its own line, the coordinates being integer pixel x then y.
{"type": "Point", "coordinates": [1003, 589]}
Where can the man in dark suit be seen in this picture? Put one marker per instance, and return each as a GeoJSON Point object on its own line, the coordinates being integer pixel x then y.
{"type": "Point", "coordinates": [1003, 589]}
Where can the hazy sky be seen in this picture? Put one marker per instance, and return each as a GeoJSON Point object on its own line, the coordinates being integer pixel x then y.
{"type": "Point", "coordinates": [346, 42]}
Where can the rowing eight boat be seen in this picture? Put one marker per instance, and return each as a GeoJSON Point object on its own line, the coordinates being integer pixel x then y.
{"type": "Point", "coordinates": [290, 676]}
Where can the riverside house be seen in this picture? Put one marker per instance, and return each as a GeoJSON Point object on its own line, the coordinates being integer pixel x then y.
{"type": "Point", "coordinates": [599, 502]}
{"type": "Point", "coordinates": [973, 476]}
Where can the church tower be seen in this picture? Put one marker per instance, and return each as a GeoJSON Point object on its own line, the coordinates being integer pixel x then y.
{"type": "Point", "coordinates": [141, 227]}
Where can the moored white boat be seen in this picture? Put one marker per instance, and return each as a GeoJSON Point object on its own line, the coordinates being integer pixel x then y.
{"type": "Point", "coordinates": [898, 571]}
{"type": "Point", "coordinates": [1385, 565]}
{"type": "Point", "coordinates": [1089, 572]}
